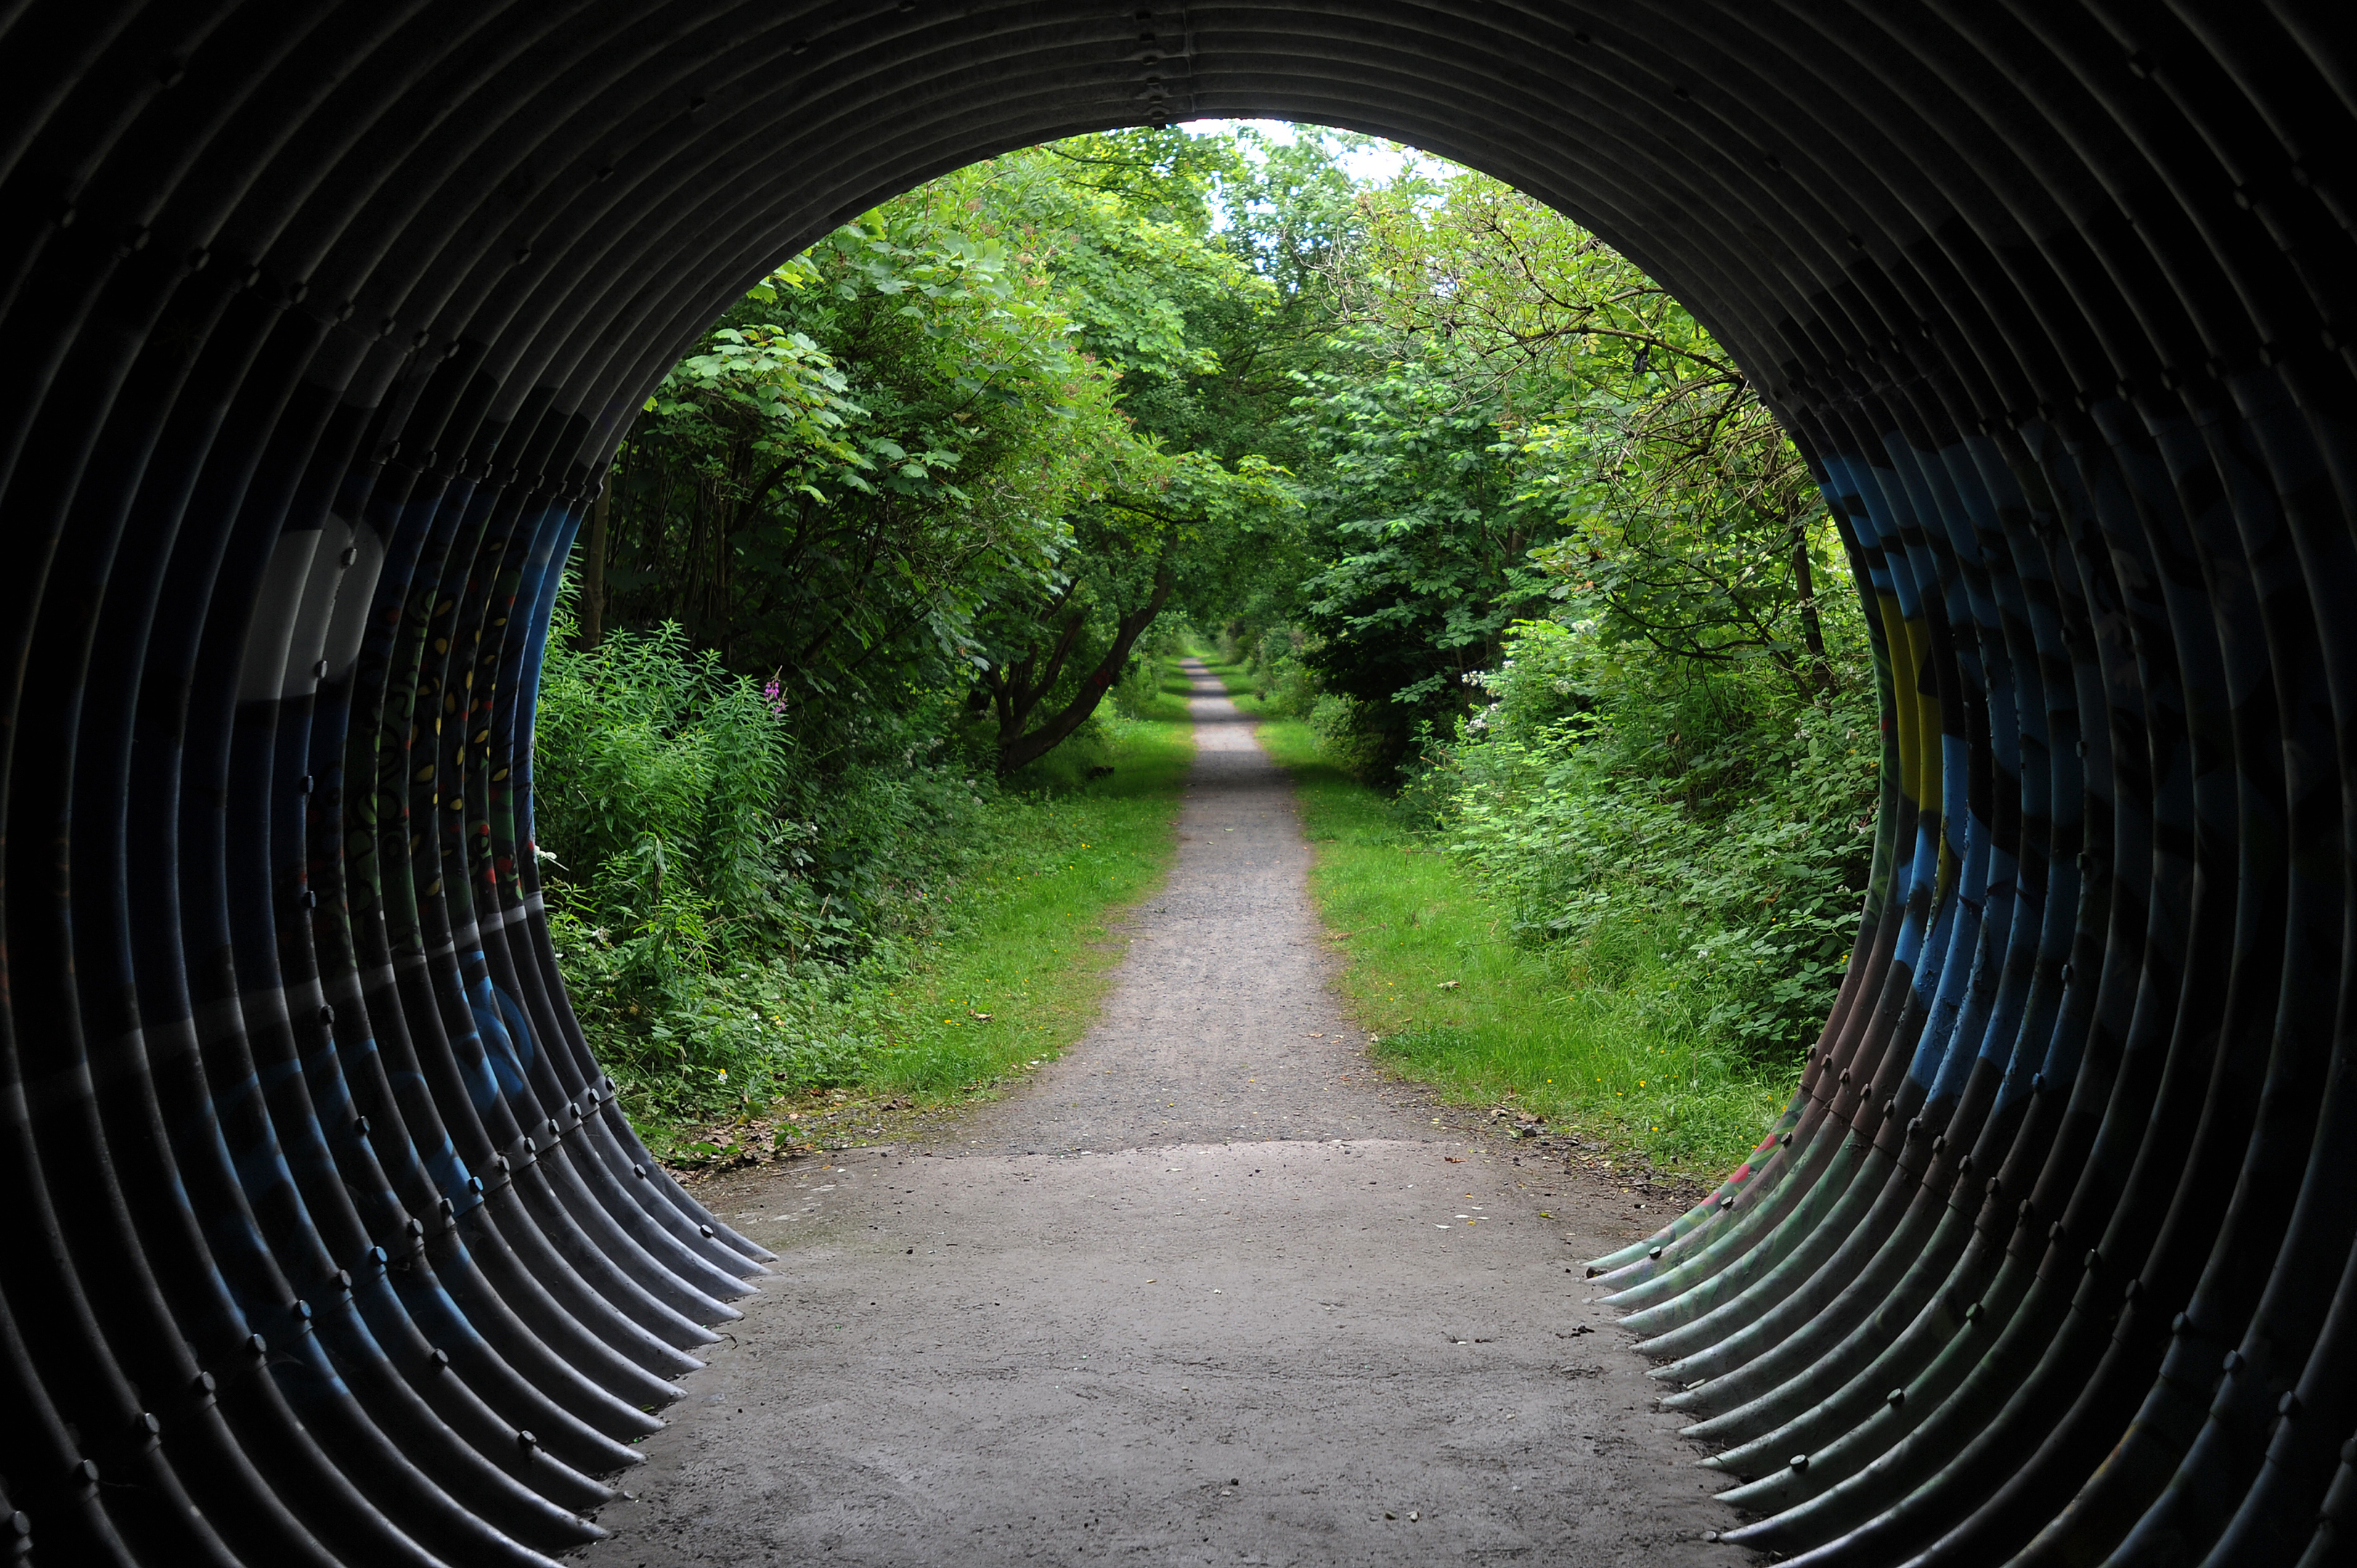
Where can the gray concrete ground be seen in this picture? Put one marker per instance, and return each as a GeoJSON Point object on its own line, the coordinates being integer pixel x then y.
{"type": "Point", "coordinates": [1211, 1289]}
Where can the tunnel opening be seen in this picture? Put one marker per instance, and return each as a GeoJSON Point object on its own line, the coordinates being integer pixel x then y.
{"type": "Point", "coordinates": [332, 1246]}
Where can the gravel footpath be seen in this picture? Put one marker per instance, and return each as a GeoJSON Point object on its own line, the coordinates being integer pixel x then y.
{"type": "Point", "coordinates": [1210, 1289]}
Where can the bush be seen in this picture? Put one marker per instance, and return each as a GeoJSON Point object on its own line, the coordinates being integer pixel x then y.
{"type": "Point", "coordinates": [1695, 819]}
{"type": "Point", "coordinates": [718, 896]}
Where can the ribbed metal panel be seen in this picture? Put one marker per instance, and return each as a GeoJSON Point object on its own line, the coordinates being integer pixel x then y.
{"type": "Point", "coordinates": [317, 322]}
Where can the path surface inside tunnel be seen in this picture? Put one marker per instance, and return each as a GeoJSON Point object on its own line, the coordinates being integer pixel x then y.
{"type": "Point", "coordinates": [1210, 1289]}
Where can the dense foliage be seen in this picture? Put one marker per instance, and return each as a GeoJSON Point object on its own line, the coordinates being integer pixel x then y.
{"type": "Point", "coordinates": [1463, 487]}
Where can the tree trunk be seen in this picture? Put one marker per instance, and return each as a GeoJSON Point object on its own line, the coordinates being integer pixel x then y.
{"type": "Point", "coordinates": [1813, 631]}
{"type": "Point", "coordinates": [1028, 748]}
{"type": "Point", "coordinates": [593, 571]}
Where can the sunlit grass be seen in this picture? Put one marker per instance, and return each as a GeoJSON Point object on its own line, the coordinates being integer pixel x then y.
{"type": "Point", "coordinates": [1456, 1003]}
{"type": "Point", "coordinates": [1021, 957]}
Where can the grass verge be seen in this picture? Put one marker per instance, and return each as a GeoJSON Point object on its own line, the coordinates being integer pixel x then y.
{"type": "Point", "coordinates": [1457, 1004]}
{"type": "Point", "coordinates": [1020, 950]}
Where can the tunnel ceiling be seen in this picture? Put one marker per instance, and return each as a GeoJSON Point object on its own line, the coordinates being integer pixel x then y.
{"type": "Point", "coordinates": [327, 1242]}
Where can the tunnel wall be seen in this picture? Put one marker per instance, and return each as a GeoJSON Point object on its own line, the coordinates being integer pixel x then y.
{"type": "Point", "coordinates": [328, 1244]}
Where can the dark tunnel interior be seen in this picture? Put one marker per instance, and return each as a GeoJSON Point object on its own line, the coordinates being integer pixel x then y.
{"type": "Point", "coordinates": [317, 322]}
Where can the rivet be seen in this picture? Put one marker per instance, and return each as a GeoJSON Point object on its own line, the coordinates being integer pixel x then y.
{"type": "Point", "coordinates": [359, 1126]}
{"type": "Point", "coordinates": [1938, 1146]}
{"type": "Point", "coordinates": [2095, 1260]}
{"type": "Point", "coordinates": [344, 311]}
{"type": "Point", "coordinates": [327, 1011]}
{"type": "Point", "coordinates": [257, 1343]}
{"type": "Point", "coordinates": [319, 671]}
{"type": "Point", "coordinates": [530, 1147]}
{"type": "Point", "coordinates": [705, 1232]}
{"type": "Point", "coordinates": [295, 291]}
{"type": "Point", "coordinates": [2054, 1231]}
{"type": "Point", "coordinates": [1895, 1398]}
{"type": "Point", "coordinates": [311, 899]}
{"type": "Point", "coordinates": [2289, 1406]}
{"type": "Point", "coordinates": [386, 329]}
{"type": "Point", "coordinates": [86, 1472]}
{"type": "Point", "coordinates": [144, 1424]}
{"type": "Point", "coordinates": [438, 1359]}
{"type": "Point", "coordinates": [1890, 1109]}
{"type": "Point", "coordinates": [640, 1172]}
{"type": "Point", "coordinates": [500, 1162]}
{"type": "Point", "coordinates": [303, 785]}
{"type": "Point", "coordinates": [301, 1311]}
{"type": "Point", "coordinates": [1914, 1127]}
{"type": "Point", "coordinates": [344, 1281]}
{"type": "Point", "coordinates": [203, 1384]}
{"type": "Point", "coordinates": [475, 1186]}
{"type": "Point", "coordinates": [1973, 1313]}
{"type": "Point", "coordinates": [196, 259]}
{"type": "Point", "coordinates": [527, 1442]}
{"type": "Point", "coordinates": [2038, 1079]}
{"type": "Point", "coordinates": [1654, 1253]}
{"type": "Point", "coordinates": [2135, 1289]}
{"type": "Point", "coordinates": [379, 1256]}
{"type": "Point", "coordinates": [2231, 1364]}
{"type": "Point", "coordinates": [1844, 1075]}
{"type": "Point", "coordinates": [1963, 1164]}
{"type": "Point", "coordinates": [1800, 1461]}
{"type": "Point", "coordinates": [348, 558]}
{"type": "Point", "coordinates": [134, 240]}
{"type": "Point", "coordinates": [553, 1129]}
{"type": "Point", "coordinates": [1788, 1140]}
{"type": "Point", "coordinates": [1727, 1203]}
{"type": "Point", "coordinates": [416, 1227]}
{"type": "Point", "coordinates": [2181, 1324]}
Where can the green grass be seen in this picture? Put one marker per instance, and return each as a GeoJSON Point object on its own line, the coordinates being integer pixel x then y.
{"type": "Point", "coordinates": [1024, 940]}
{"type": "Point", "coordinates": [1457, 1004]}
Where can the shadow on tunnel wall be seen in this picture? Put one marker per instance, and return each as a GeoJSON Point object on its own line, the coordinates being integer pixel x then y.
{"type": "Point", "coordinates": [326, 1242]}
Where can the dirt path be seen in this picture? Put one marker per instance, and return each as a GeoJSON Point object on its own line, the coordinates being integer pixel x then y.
{"type": "Point", "coordinates": [1210, 1289]}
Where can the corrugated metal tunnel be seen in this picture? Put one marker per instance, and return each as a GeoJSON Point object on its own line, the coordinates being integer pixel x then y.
{"type": "Point", "coordinates": [325, 1243]}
